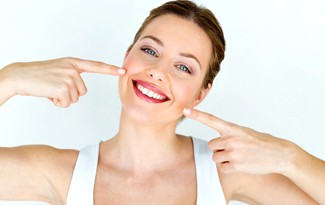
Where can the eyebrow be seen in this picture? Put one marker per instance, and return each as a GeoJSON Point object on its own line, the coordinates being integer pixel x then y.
{"type": "Point", "coordinates": [154, 39]}
{"type": "Point", "coordinates": [188, 55]}
{"type": "Point", "coordinates": [159, 42]}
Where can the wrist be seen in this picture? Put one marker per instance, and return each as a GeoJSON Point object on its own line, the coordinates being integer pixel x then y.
{"type": "Point", "coordinates": [295, 156]}
{"type": "Point", "coordinates": [7, 84]}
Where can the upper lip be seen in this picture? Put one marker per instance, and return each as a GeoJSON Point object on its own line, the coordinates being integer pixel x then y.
{"type": "Point", "coordinates": [152, 87]}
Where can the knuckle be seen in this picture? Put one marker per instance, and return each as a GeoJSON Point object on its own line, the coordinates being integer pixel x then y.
{"type": "Point", "coordinates": [218, 157]}
{"type": "Point", "coordinates": [83, 91]}
{"type": "Point", "coordinates": [68, 59]}
{"type": "Point", "coordinates": [211, 144]}
{"type": "Point", "coordinates": [227, 167]}
{"type": "Point", "coordinates": [231, 141]}
{"type": "Point", "coordinates": [62, 104]}
{"type": "Point", "coordinates": [73, 71]}
{"type": "Point", "coordinates": [62, 91]}
{"type": "Point", "coordinates": [215, 158]}
{"type": "Point", "coordinates": [75, 99]}
{"type": "Point", "coordinates": [65, 103]}
{"type": "Point", "coordinates": [69, 81]}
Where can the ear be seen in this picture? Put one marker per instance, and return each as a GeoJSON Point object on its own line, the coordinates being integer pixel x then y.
{"type": "Point", "coordinates": [201, 95]}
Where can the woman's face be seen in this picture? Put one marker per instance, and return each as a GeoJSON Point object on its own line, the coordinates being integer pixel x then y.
{"type": "Point", "coordinates": [165, 70]}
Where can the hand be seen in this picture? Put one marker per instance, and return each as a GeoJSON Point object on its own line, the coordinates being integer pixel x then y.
{"type": "Point", "coordinates": [59, 80]}
{"type": "Point", "coordinates": [241, 149]}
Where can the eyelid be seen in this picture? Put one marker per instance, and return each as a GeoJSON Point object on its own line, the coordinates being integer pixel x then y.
{"type": "Point", "coordinates": [190, 69]}
{"type": "Point", "coordinates": [149, 47]}
{"type": "Point", "coordinates": [148, 42]}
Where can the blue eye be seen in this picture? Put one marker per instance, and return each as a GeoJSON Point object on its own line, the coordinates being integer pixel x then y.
{"type": "Point", "coordinates": [184, 68]}
{"type": "Point", "coordinates": [150, 51]}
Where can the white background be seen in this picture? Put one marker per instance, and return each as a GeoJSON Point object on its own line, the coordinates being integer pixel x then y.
{"type": "Point", "coordinates": [272, 79]}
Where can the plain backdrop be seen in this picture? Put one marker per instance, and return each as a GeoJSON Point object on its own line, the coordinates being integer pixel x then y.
{"type": "Point", "coordinates": [272, 79]}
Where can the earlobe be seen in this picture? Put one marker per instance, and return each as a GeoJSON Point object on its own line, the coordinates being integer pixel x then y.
{"type": "Point", "coordinates": [202, 94]}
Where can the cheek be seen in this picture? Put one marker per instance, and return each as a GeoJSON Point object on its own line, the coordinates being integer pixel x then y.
{"type": "Point", "coordinates": [135, 62]}
{"type": "Point", "coordinates": [130, 64]}
{"type": "Point", "coordinates": [133, 66]}
{"type": "Point", "coordinates": [185, 92]}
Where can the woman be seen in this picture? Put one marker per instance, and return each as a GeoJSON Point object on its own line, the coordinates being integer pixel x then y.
{"type": "Point", "coordinates": [164, 71]}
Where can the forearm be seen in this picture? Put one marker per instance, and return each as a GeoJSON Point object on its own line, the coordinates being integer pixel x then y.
{"type": "Point", "coordinates": [308, 172]}
{"type": "Point", "coordinates": [6, 87]}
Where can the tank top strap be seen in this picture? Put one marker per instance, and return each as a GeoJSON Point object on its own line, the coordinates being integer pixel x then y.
{"type": "Point", "coordinates": [81, 190]}
{"type": "Point", "coordinates": [209, 190]}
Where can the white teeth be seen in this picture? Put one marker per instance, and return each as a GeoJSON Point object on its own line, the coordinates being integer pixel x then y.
{"type": "Point", "coordinates": [145, 91]}
{"type": "Point", "coordinates": [150, 93]}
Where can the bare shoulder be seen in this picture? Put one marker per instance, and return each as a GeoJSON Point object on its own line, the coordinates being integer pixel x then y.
{"type": "Point", "coordinates": [43, 157]}
{"type": "Point", "coordinates": [49, 155]}
{"type": "Point", "coordinates": [46, 172]}
{"type": "Point", "coordinates": [262, 189]}
{"type": "Point", "coordinates": [55, 164]}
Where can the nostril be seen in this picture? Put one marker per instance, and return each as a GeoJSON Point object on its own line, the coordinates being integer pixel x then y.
{"type": "Point", "coordinates": [156, 76]}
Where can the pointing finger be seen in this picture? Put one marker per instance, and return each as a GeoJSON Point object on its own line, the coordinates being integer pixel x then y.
{"type": "Point", "coordinates": [96, 67]}
{"type": "Point", "coordinates": [208, 119]}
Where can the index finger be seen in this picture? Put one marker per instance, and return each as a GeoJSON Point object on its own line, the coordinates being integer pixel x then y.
{"type": "Point", "coordinates": [208, 119]}
{"type": "Point", "coordinates": [90, 66]}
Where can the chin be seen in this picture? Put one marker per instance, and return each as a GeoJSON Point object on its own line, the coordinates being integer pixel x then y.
{"type": "Point", "coordinates": [148, 116]}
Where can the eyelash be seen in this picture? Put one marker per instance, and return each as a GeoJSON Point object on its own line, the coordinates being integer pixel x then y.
{"type": "Point", "coordinates": [151, 52]}
{"type": "Point", "coordinates": [184, 68]}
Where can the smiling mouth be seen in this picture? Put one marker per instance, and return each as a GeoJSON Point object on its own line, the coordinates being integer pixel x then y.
{"type": "Point", "coordinates": [149, 92]}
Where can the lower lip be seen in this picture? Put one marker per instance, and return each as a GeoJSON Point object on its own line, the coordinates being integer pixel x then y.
{"type": "Point", "coordinates": [145, 97]}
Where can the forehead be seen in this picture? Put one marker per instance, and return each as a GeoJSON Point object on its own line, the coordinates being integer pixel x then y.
{"type": "Point", "coordinates": [181, 36]}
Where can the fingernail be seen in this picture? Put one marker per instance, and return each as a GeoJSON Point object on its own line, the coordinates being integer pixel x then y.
{"type": "Point", "coordinates": [121, 71]}
{"type": "Point", "coordinates": [187, 111]}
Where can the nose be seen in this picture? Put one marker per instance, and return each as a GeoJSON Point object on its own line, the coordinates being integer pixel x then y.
{"type": "Point", "coordinates": [157, 74]}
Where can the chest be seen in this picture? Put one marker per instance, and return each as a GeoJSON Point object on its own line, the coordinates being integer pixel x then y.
{"type": "Point", "coordinates": [177, 186]}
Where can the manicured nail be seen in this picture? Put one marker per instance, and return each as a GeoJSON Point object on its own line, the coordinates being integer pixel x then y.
{"type": "Point", "coordinates": [187, 111]}
{"type": "Point", "coordinates": [121, 71]}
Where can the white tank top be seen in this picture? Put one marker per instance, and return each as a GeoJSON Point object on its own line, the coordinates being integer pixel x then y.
{"type": "Point", "coordinates": [209, 191]}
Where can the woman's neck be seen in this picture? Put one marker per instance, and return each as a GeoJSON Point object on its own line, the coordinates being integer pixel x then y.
{"type": "Point", "coordinates": [145, 147]}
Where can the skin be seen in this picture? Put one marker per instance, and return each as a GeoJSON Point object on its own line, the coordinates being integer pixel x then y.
{"type": "Point", "coordinates": [126, 172]}
{"type": "Point", "coordinates": [147, 127]}
{"type": "Point", "coordinates": [248, 160]}
{"type": "Point", "coordinates": [59, 79]}
{"type": "Point", "coordinates": [43, 173]}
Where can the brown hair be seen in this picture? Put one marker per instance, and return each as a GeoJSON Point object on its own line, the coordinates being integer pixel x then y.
{"type": "Point", "coordinates": [205, 19]}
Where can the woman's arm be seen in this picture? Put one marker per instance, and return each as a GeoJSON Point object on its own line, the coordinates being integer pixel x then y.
{"type": "Point", "coordinates": [6, 88]}
{"type": "Point", "coordinates": [58, 79]}
{"type": "Point", "coordinates": [36, 173]}
{"type": "Point", "coordinates": [307, 172]}
{"type": "Point", "coordinates": [267, 164]}
{"type": "Point", "coordinates": [39, 172]}
{"type": "Point", "coordinates": [266, 189]}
